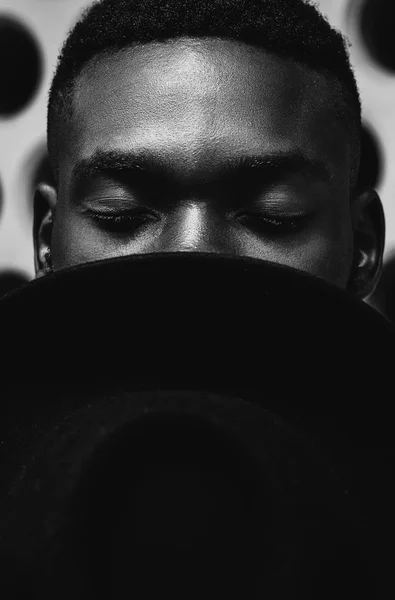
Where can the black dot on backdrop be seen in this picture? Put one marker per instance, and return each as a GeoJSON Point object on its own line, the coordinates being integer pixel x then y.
{"type": "Point", "coordinates": [371, 164]}
{"type": "Point", "coordinates": [11, 280]}
{"type": "Point", "coordinates": [377, 20]}
{"type": "Point", "coordinates": [21, 66]}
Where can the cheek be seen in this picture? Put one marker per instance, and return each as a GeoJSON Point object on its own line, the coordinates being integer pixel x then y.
{"type": "Point", "coordinates": [342, 243]}
{"type": "Point", "coordinates": [317, 252]}
{"type": "Point", "coordinates": [73, 242]}
{"type": "Point", "coordinates": [328, 250]}
{"type": "Point", "coordinates": [325, 256]}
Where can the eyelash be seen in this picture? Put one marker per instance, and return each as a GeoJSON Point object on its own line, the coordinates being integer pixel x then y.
{"type": "Point", "coordinates": [123, 221]}
{"type": "Point", "coordinates": [283, 225]}
{"type": "Point", "coordinates": [133, 220]}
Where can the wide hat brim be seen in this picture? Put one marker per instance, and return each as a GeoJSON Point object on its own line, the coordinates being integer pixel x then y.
{"type": "Point", "coordinates": [182, 320]}
{"type": "Point", "coordinates": [279, 339]}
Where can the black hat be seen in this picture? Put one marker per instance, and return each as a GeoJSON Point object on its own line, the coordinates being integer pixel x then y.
{"type": "Point", "coordinates": [270, 381]}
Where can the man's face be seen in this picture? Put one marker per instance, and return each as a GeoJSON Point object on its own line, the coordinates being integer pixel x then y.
{"type": "Point", "coordinates": [158, 158]}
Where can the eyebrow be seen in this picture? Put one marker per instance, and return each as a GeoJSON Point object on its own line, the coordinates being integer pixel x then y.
{"type": "Point", "coordinates": [155, 164]}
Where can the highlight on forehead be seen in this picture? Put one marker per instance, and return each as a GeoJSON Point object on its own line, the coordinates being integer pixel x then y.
{"type": "Point", "coordinates": [69, 126]}
{"type": "Point", "coordinates": [293, 29]}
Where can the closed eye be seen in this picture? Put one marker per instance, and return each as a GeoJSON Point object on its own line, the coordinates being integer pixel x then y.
{"type": "Point", "coordinates": [128, 221]}
{"type": "Point", "coordinates": [269, 223]}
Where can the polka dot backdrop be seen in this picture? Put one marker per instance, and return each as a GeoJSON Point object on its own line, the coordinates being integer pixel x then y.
{"type": "Point", "coordinates": [31, 34]}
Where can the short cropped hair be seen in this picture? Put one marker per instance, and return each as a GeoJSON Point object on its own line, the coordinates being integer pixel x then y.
{"type": "Point", "coordinates": [293, 29]}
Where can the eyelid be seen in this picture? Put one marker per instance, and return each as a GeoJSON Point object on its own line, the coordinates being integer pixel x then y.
{"type": "Point", "coordinates": [267, 214]}
{"type": "Point", "coordinates": [124, 222]}
{"type": "Point", "coordinates": [103, 200]}
{"type": "Point", "coordinates": [116, 211]}
{"type": "Point", "coordinates": [280, 224]}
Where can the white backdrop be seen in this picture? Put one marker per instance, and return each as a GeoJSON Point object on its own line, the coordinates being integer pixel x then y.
{"type": "Point", "coordinates": [22, 137]}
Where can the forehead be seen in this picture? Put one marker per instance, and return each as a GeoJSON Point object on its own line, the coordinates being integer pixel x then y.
{"type": "Point", "coordinates": [196, 101]}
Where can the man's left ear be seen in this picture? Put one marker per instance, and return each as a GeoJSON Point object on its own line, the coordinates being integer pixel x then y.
{"type": "Point", "coordinates": [369, 239]}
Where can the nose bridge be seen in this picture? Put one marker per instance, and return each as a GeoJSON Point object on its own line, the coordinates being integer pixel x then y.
{"type": "Point", "coordinates": [194, 227]}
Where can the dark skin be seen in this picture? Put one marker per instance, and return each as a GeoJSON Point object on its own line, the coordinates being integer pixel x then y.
{"type": "Point", "coordinates": [191, 110]}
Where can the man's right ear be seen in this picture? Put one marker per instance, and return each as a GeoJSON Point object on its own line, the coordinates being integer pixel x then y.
{"type": "Point", "coordinates": [45, 198]}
